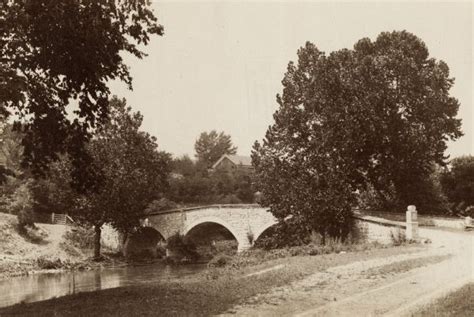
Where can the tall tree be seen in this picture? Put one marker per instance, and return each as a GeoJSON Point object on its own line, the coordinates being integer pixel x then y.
{"type": "Point", "coordinates": [378, 115]}
{"type": "Point", "coordinates": [54, 53]}
{"type": "Point", "coordinates": [211, 146]}
{"type": "Point", "coordinates": [134, 172]}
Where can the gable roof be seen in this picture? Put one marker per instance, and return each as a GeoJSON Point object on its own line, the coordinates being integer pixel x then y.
{"type": "Point", "coordinates": [236, 159]}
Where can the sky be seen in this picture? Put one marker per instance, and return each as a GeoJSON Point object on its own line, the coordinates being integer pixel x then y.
{"type": "Point", "coordinates": [220, 64]}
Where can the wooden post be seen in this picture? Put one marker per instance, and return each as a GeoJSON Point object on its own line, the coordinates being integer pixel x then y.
{"type": "Point", "coordinates": [412, 223]}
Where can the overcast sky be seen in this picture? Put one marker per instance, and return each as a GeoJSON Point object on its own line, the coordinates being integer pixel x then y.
{"type": "Point", "coordinates": [220, 64]}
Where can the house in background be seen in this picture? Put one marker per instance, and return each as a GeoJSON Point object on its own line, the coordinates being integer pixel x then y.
{"type": "Point", "coordinates": [233, 162]}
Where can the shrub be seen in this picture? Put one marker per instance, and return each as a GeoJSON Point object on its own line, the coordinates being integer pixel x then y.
{"type": "Point", "coordinates": [283, 234]}
{"type": "Point", "coordinates": [469, 211]}
{"type": "Point", "coordinates": [33, 234]}
{"type": "Point", "coordinates": [185, 250]}
{"type": "Point", "coordinates": [48, 264]}
{"type": "Point", "coordinates": [290, 234]}
{"type": "Point", "coordinates": [160, 251]}
{"type": "Point", "coordinates": [220, 260]}
{"type": "Point", "coordinates": [458, 183]}
{"type": "Point", "coordinates": [21, 204]}
{"type": "Point", "coordinates": [398, 237]}
{"type": "Point", "coordinates": [69, 248]}
{"type": "Point", "coordinates": [81, 237]}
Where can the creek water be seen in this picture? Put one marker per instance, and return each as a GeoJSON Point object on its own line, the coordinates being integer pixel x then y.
{"type": "Point", "coordinates": [44, 286]}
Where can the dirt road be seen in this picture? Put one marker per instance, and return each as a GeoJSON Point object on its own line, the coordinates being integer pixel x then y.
{"type": "Point", "coordinates": [380, 287]}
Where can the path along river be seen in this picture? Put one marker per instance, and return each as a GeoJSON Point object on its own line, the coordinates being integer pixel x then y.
{"type": "Point", "coordinates": [48, 285]}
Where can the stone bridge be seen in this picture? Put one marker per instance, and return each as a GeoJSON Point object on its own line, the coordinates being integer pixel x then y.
{"type": "Point", "coordinates": [245, 222]}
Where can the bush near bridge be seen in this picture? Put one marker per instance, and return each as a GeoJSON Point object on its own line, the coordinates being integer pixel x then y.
{"type": "Point", "coordinates": [458, 184]}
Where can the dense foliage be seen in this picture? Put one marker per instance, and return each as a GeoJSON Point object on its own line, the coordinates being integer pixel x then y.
{"type": "Point", "coordinates": [378, 115]}
{"type": "Point", "coordinates": [211, 146]}
{"type": "Point", "coordinates": [132, 173]}
{"type": "Point", "coordinates": [60, 53]}
{"type": "Point", "coordinates": [192, 183]}
{"type": "Point", "coordinates": [428, 193]}
{"type": "Point", "coordinates": [458, 183]}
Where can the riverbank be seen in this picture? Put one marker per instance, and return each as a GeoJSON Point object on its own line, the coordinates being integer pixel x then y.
{"type": "Point", "coordinates": [44, 249]}
{"type": "Point", "coordinates": [213, 291]}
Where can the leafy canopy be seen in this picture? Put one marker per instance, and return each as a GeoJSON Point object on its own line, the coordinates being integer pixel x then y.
{"type": "Point", "coordinates": [55, 53]}
{"type": "Point", "coordinates": [211, 146]}
{"type": "Point", "coordinates": [379, 114]}
{"type": "Point", "coordinates": [458, 182]}
{"type": "Point", "coordinates": [133, 171]}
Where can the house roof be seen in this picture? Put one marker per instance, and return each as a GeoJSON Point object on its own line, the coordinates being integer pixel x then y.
{"type": "Point", "coordinates": [236, 159]}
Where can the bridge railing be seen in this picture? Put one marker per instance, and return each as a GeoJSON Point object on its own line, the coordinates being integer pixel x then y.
{"type": "Point", "coordinates": [218, 206]}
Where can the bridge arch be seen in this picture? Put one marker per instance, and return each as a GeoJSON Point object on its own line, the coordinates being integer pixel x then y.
{"type": "Point", "coordinates": [261, 229]}
{"type": "Point", "coordinates": [144, 241]}
{"type": "Point", "coordinates": [237, 235]}
{"type": "Point", "coordinates": [245, 223]}
{"type": "Point", "coordinates": [212, 219]}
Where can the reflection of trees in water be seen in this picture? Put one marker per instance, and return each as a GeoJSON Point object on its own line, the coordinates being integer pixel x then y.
{"type": "Point", "coordinates": [45, 286]}
{"type": "Point", "coordinates": [34, 288]}
{"type": "Point", "coordinates": [97, 280]}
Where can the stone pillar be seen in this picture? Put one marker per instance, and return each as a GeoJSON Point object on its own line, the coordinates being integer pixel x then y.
{"type": "Point", "coordinates": [412, 223]}
{"type": "Point", "coordinates": [243, 246]}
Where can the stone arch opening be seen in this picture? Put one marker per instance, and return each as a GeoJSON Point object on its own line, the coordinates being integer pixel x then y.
{"type": "Point", "coordinates": [210, 238]}
{"type": "Point", "coordinates": [145, 242]}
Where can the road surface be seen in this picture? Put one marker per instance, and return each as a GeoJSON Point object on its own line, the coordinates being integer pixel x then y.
{"type": "Point", "coordinates": [350, 290]}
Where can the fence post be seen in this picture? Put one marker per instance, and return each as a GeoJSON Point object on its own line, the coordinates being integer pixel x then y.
{"type": "Point", "coordinates": [412, 223]}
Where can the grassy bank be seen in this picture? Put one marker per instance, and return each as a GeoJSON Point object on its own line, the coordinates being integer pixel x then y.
{"type": "Point", "coordinates": [211, 292]}
{"type": "Point", "coordinates": [457, 304]}
{"type": "Point", "coordinates": [42, 249]}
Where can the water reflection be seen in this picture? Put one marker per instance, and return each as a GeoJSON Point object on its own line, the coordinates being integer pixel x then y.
{"type": "Point", "coordinates": [45, 286]}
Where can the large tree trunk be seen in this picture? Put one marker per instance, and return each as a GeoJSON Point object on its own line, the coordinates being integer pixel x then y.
{"type": "Point", "coordinates": [97, 232]}
{"type": "Point", "coordinates": [123, 243]}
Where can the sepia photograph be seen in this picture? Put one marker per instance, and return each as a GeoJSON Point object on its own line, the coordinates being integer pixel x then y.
{"type": "Point", "coordinates": [236, 158]}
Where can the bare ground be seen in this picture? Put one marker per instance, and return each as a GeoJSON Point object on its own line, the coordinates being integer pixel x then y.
{"type": "Point", "coordinates": [353, 290]}
{"type": "Point", "coordinates": [18, 253]}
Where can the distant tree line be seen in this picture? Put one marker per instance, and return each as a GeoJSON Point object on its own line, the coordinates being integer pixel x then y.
{"type": "Point", "coordinates": [198, 185]}
{"type": "Point", "coordinates": [193, 182]}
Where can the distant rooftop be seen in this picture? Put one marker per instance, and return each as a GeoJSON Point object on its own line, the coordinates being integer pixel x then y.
{"type": "Point", "coordinates": [236, 159]}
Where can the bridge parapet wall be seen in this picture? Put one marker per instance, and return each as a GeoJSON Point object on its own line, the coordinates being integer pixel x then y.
{"type": "Point", "coordinates": [380, 230]}
{"type": "Point", "coordinates": [168, 224]}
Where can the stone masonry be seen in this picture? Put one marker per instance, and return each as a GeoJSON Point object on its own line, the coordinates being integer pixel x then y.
{"type": "Point", "coordinates": [248, 222]}
{"type": "Point", "coordinates": [245, 222]}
